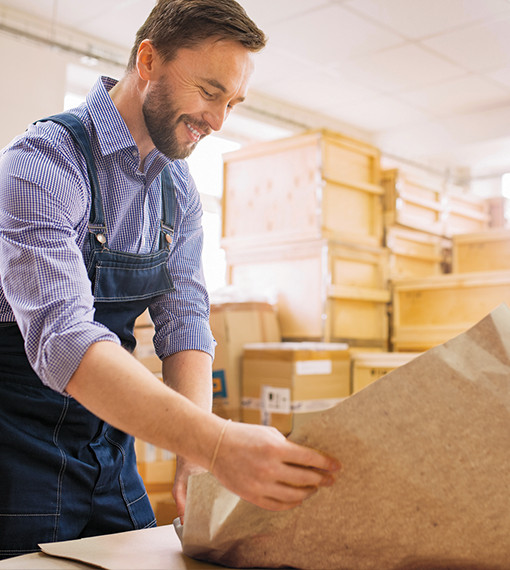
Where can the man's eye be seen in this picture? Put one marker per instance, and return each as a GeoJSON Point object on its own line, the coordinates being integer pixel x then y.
{"type": "Point", "coordinates": [207, 94]}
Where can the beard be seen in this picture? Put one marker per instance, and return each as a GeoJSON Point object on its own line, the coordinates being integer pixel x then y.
{"type": "Point", "coordinates": [161, 121]}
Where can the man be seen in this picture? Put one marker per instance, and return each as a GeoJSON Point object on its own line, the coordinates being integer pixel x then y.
{"type": "Point", "coordinates": [90, 236]}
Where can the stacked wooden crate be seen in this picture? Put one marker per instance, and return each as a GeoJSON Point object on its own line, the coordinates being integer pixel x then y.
{"type": "Point", "coordinates": [367, 367]}
{"type": "Point", "coordinates": [424, 223]}
{"type": "Point", "coordinates": [421, 214]}
{"type": "Point", "coordinates": [481, 251]}
{"type": "Point", "coordinates": [413, 202]}
{"type": "Point", "coordinates": [429, 311]}
{"type": "Point", "coordinates": [431, 205]}
{"type": "Point", "coordinates": [464, 212]}
{"type": "Point", "coordinates": [302, 220]}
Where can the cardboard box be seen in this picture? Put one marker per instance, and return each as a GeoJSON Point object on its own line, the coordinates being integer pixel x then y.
{"type": "Point", "coordinates": [233, 325]}
{"type": "Point", "coordinates": [157, 469]}
{"type": "Point", "coordinates": [144, 351]}
{"type": "Point", "coordinates": [155, 465]}
{"type": "Point", "coordinates": [283, 379]}
{"type": "Point", "coordinates": [367, 367]}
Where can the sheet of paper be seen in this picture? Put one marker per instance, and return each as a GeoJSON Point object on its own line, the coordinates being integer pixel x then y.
{"type": "Point", "coordinates": [153, 548]}
{"type": "Point", "coordinates": [40, 561]}
{"type": "Point", "coordinates": [425, 479]}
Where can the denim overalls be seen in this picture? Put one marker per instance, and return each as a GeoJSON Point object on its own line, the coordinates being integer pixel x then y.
{"type": "Point", "coordinates": [64, 473]}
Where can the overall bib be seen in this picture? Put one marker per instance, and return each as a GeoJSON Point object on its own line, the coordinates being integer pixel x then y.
{"type": "Point", "coordinates": [64, 473]}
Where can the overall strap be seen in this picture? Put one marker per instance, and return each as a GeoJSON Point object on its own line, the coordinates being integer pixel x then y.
{"type": "Point", "coordinates": [168, 208]}
{"type": "Point", "coordinates": [80, 136]}
{"type": "Point", "coordinates": [96, 220]}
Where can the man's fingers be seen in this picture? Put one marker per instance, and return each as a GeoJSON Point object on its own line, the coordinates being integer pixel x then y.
{"type": "Point", "coordinates": [271, 504]}
{"type": "Point", "coordinates": [299, 476]}
{"type": "Point", "coordinates": [282, 497]}
{"type": "Point", "coordinates": [266, 469]}
{"type": "Point", "coordinates": [308, 457]}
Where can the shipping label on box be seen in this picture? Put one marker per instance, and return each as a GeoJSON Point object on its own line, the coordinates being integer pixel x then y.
{"type": "Point", "coordinates": [275, 400]}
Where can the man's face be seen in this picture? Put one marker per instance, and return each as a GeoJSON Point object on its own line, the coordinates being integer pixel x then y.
{"type": "Point", "coordinates": [194, 93]}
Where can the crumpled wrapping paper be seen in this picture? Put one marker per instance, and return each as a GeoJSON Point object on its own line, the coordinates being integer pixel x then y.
{"type": "Point", "coordinates": [425, 481]}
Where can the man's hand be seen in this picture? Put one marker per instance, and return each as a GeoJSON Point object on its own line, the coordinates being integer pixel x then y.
{"type": "Point", "coordinates": [261, 466]}
{"type": "Point", "coordinates": [183, 470]}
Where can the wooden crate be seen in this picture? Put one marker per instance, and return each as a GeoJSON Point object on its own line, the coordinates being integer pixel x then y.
{"type": "Point", "coordinates": [498, 208]}
{"type": "Point", "coordinates": [326, 290]}
{"type": "Point", "coordinates": [367, 367]}
{"type": "Point", "coordinates": [283, 379]}
{"type": "Point", "coordinates": [430, 311]}
{"type": "Point", "coordinates": [316, 185]}
{"type": "Point", "coordinates": [464, 213]}
{"type": "Point", "coordinates": [412, 203]}
{"type": "Point", "coordinates": [482, 251]}
{"type": "Point", "coordinates": [414, 253]}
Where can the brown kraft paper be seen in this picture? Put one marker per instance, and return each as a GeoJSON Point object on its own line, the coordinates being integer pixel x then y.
{"type": "Point", "coordinates": [425, 479]}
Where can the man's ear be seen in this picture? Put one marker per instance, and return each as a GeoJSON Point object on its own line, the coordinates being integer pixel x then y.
{"type": "Point", "coordinates": [146, 60]}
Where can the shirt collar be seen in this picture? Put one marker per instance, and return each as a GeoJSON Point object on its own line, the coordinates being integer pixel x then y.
{"type": "Point", "coordinates": [112, 132]}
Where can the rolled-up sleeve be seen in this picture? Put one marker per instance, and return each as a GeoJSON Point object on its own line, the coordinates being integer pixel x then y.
{"type": "Point", "coordinates": [43, 217]}
{"type": "Point", "coordinates": [181, 317]}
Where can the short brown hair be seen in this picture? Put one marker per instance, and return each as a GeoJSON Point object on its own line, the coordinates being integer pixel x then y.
{"type": "Point", "coordinates": [174, 24]}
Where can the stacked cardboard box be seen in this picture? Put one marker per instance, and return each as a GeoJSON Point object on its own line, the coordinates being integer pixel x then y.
{"type": "Point", "coordinates": [144, 351]}
{"type": "Point", "coordinates": [280, 380]}
{"type": "Point", "coordinates": [155, 465]}
{"type": "Point", "coordinates": [157, 469]}
{"type": "Point", "coordinates": [233, 325]}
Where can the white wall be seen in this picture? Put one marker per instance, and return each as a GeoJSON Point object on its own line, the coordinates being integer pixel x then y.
{"type": "Point", "coordinates": [33, 84]}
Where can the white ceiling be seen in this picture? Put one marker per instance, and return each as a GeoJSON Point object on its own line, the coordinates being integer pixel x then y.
{"type": "Point", "coordinates": [424, 79]}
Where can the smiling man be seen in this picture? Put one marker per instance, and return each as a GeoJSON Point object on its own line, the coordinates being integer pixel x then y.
{"type": "Point", "coordinates": [193, 94]}
{"type": "Point", "coordinates": [99, 220]}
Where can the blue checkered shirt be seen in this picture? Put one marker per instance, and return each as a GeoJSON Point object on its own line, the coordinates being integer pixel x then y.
{"type": "Point", "coordinates": [44, 247]}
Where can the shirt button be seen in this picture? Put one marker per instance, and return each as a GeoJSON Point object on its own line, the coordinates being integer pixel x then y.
{"type": "Point", "coordinates": [101, 238]}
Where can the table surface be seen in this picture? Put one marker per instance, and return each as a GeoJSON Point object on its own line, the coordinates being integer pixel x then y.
{"type": "Point", "coordinates": [156, 548]}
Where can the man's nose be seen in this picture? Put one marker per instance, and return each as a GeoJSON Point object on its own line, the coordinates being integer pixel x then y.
{"type": "Point", "coordinates": [216, 116]}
